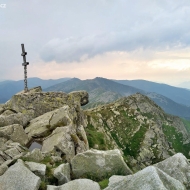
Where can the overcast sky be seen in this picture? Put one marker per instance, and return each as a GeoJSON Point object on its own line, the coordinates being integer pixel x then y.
{"type": "Point", "coordinates": [118, 39]}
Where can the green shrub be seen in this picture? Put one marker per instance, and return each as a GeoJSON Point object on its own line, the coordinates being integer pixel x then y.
{"type": "Point", "coordinates": [104, 183]}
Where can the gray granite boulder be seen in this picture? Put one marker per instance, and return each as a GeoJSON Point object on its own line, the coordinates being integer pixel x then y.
{"type": "Point", "coordinates": [35, 155]}
{"type": "Point", "coordinates": [15, 133]}
{"type": "Point", "coordinates": [37, 169]}
{"type": "Point", "coordinates": [19, 177]}
{"type": "Point", "coordinates": [64, 141]}
{"type": "Point", "coordinates": [78, 184]}
{"type": "Point", "coordinates": [150, 178]}
{"type": "Point", "coordinates": [60, 140]}
{"type": "Point", "coordinates": [116, 178]}
{"type": "Point", "coordinates": [62, 173]}
{"type": "Point", "coordinates": [178, 167]}
{"type": "Point", "coordinates": [16, 118]}
{"type": "Point", "coordinates": [99, 164]}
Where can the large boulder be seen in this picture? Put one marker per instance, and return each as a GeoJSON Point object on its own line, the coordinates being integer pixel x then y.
{"type": "Point", "coordinates": [78, 184]}
{"type": "Point", "coordinates": [99, 164]}
{"type": "Point", "coordinates": [177, 167]}
{"type": "Point", "coordinates": [15, 133]}
{"type": "Point", "coordinates": [147, 179]}
{"type": "Point", "coordinates": [19, 177]}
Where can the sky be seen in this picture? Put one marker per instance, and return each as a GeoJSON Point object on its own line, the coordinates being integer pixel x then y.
{"type": "Point", "coordinates": [115, 39]}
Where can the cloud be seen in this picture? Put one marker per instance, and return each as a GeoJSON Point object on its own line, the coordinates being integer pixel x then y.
{"type": "Point", "coordinates": [121, 65]}
{"type": "Point", "coordinates": [157, 26]}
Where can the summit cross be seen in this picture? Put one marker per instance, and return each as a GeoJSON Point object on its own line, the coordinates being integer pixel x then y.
{"type": "Point", "coordinates": [25, 67]}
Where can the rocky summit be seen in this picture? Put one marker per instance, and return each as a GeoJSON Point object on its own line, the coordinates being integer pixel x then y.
{"type": "Point", "coordinates": [128, 144]}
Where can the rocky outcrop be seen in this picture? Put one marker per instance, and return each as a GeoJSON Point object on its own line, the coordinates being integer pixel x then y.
{"type": "Point", "coordinates": [53, 119]}
{"type": "Point", "coordinates": [23, 107]}
{"type": "Point", "coordinates": [60, 131]}
{"type": "Point", "coordinates": [18, 176]}
{"type": "Point", "coordinates": [78, 184]}
{"type": "Point", "coordinates": [99, 164]}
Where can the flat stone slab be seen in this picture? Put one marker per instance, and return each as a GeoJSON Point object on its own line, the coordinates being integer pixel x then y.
{"type": "Point", "coordinates": [19, 177]}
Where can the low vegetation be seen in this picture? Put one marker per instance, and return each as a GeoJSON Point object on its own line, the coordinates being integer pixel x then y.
{"type": "Point", "coordinates": [176, 140]}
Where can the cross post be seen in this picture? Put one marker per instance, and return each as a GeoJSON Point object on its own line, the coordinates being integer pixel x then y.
{"type": "Point", "coordinates": [25, 67]}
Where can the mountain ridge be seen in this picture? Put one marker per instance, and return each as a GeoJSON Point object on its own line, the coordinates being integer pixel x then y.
{"type": "Point", "coordinates": [103, 90]}
{"type": "Point", "coordinates": [139, 127]}
{"type": "Point", "coordinates": [177, 94]}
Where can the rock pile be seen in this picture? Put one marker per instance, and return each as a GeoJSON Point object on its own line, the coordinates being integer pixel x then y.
{"type": "Point", "coordinates": [53, 119]}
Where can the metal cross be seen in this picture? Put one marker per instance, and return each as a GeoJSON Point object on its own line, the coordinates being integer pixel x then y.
{"type": "Point", "coordinates": [25, 67]}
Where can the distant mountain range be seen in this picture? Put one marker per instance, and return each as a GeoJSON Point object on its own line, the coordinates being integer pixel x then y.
{"type": "Point", "coordinates": [171, 99]}
{"type": "Point", "coordinates": [179, 95]}
{"type": "Point", "coordinates": [185, 85]}
{"type": "Point", "coordinates": [102, 91]}
{"type": "Point", "coordinates": [9, 88]}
